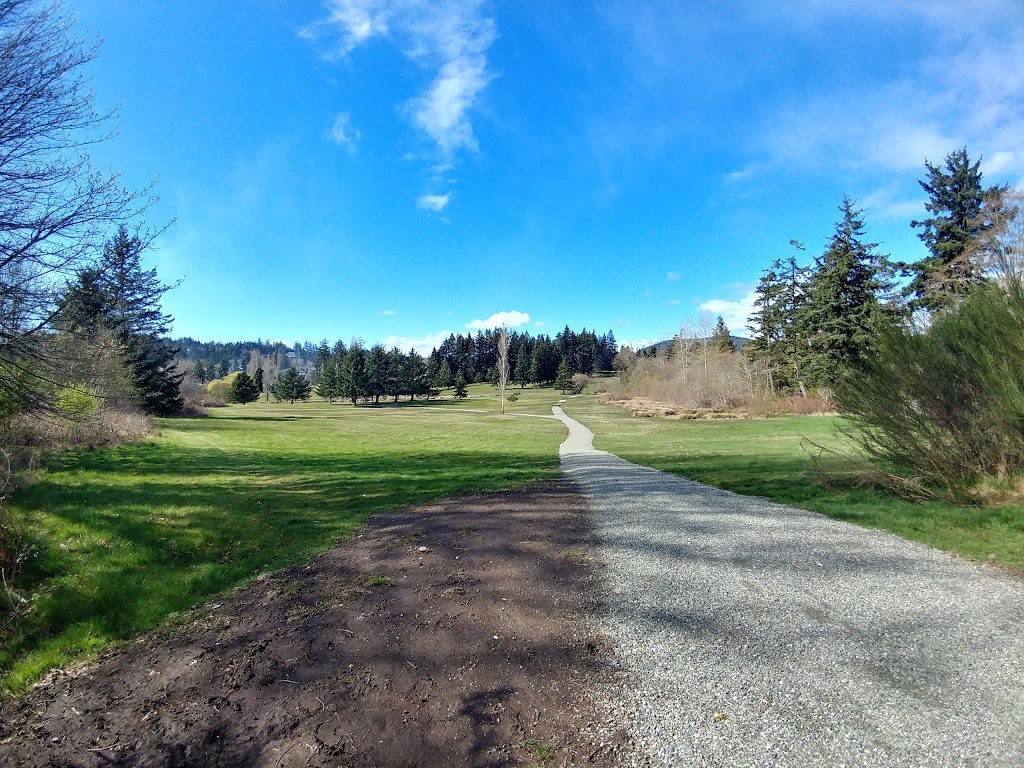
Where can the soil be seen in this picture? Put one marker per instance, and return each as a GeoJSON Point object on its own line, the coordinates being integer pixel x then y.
{"type": "Point", "coordinates": [458, 634]}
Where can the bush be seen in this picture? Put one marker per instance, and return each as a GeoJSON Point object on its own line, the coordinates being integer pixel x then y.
{"type": "Point", "coordinates": [942, 412]}
{"type": "Point", "coordinates": [579, 382]}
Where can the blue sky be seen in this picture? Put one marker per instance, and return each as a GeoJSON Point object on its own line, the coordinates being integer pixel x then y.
{"type": "Point", "coordinates": [398, 170]}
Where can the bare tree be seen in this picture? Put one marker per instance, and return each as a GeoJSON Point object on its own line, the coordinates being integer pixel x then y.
{"type": "Point", "coordinates": [998, 251]}
{"type": "Point", "coordinates": [55, 208]}
{"type": "Point", "coordinates": [503, 368]}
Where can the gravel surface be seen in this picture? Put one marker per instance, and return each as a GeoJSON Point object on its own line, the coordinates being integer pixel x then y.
{"type": "Point", "coordinates": [753, 634]}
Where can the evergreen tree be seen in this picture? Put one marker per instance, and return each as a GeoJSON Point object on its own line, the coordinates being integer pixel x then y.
{"type": "Point", "coordinates": [443, 380]}
{"type": "Point", "coordinates": [563, 379]}
{"type": "Point", "coordinates": [720, 338]}
{"type": "Point", "coordinates": [243, 389]}
{"type": "Point", "coordinates": [378, 372]}
{"type": "Point", "coordinates": [956, 199]}
{"type": "Point", "coordinates": [199, 371]}
{"type": "Point", "coordinates": [123, 299]}
{"type": "Point", "coordinates": [352, 374]}
{"type": "Point", "coordinates": [843, 308]}
{"type": "Point", "coordinates": [257, 379]}
{"type": "Point", "coordinates": [414, 375]}
{"type": "Point", "coordinates": [460, 385]}
{"type": "Point", "coordinates": [222, 369]}
{"type": "Point", "coordinates": [521, 371]}
{"type": "Point", "coordinates": [291, 386]}
{"type": "Point", "coordinates": [328, 383]}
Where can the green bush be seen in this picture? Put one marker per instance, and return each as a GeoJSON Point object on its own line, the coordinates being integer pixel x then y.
{"type": "Point", "coordinates": [78, 402]}
{"type": "Point", "coordinates": [942, 411]}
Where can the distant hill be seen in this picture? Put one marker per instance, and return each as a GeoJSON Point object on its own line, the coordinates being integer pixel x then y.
{"type": "Point", "coordinates": [737, 341]}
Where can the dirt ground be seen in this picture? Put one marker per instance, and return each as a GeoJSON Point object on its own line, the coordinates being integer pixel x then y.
{"type": "Point", "coordinates": [457, 634]}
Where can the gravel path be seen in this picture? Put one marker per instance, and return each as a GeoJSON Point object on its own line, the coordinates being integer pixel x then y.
{"type": "Point", "coordinates": [753, 634]}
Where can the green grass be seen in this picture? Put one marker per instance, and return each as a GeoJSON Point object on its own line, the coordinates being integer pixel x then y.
{"type": "Point", "coordinates": [767, 457]}
{"type": "Point", "coordinates": [122, 539]}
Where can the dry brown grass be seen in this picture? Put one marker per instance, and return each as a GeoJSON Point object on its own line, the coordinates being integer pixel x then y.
{"type": "Point", "coordinates": [26, 432]}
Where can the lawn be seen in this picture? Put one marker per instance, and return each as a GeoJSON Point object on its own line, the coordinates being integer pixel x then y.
{"type": "Point", "coordinates": [122, 539]}
{"type": "Point", "coordinates": [771, 458]}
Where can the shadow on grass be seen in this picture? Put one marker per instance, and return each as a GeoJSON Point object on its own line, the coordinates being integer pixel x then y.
{"type": "Point", "coordinates": [125, 537]}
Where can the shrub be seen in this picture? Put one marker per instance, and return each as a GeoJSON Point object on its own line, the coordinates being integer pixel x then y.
{"type": "Point", "coordinates": [942, 410]}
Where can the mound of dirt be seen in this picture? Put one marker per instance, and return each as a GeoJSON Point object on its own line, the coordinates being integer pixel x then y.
{"type": "Point", "coordinates": [451, 635]}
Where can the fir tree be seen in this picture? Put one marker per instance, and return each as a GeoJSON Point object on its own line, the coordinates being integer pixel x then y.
{"type": "Point", "coordinates": [328, 384]}
{"type": "Point", "coordinates": [352, 373]}
{"type": "Point", "coordinates": [956, 200]}
{"type": "Point", "coordinates": [720, 338]}
{"type": "Point", "coordinates": [843, 309]}
{"type": "Point", "coordinates": [563, 378]}
{"type": "Point", "coordinates": [243, 389]}
{"type": "Point", "coordinates": [291, 386]}
{"type": "Point", "coordinates": [460, 385]}
{"type": "Point", "coordinates": [257, 379]}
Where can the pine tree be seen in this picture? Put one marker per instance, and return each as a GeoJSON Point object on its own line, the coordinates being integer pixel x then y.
{"type": "Point", "coordinates": [328, 384]}
{"type": "Point", "coordinates": [378, 372]}
{"type": "Point", "coordinates": [521, 372]}
{"type": "Point", "coordinates": [257, 379]}
{"type": "Point", "coordinates": [291, 386]}
{"type": "Point", "coordinates": [443, 380]}
{"type": "Point", "coordinates": [843, 309]}
{"type": "Point", "coordinates": [460, 385]}
{"type": "Point", "coordinates": [563, 378]}
{"type": "Point", "coordinates": [352, 373]}
{"type": "Point", "coordinates": [199, 372]}
{"type": "Point", "coordinates": [956, 200]}
{"type": "Point", "coordinates": [243, 389]}
{"type": "Point", "coordinates": [720, 338]}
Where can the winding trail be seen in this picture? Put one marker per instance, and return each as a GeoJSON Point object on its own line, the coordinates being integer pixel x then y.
{"type": "Point", "coordinates": [753, 634]}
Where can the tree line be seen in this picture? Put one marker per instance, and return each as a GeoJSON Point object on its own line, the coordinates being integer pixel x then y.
{"type": "Point", "coordinates": [356, 372]}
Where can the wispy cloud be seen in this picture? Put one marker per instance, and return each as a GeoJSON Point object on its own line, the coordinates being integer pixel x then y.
{"type": "Point", "coordinates": [635, 344]}
{"type": "Point", "coordinates": [344, 134]}
{"type": "Point", "coordinates": [450, 38]}
{"type": "Point", "coordinates": [512, 319]}
{"type": "Point", "coordinates": [389, 312]}
{"type": "Point", "coordinates": [433, 203]}
{"type": "Point", "coordinates": [673, 276]}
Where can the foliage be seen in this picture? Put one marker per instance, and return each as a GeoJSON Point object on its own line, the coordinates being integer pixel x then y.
{"type": "Point", "coordinates": [956, 200]}
{"type": "Point", "coordinates": [214, 502]}
{"type": "Point", "coordinates": [842, 311]}
{"type": "Point", "coordinates": [221, 388]}
{"type": "Point", "coordinates": [328, 384]}
{"type": "Point", "coordinates": [944, 409]}
{"type": "Point", "coordinates": [563, 378]}
{"type": "Point", "coordinates": [292, 386]}
{"type": "Point", "coordinates": [243, 389]}
{"type": "Point", "coordinates": [720, 337]}
{"type": "Point", "coordinates": [117, 296]}
{"type": "Point", "coordinates": [460, 385]}
{"type": "Point", "coordinates": [54, 206]}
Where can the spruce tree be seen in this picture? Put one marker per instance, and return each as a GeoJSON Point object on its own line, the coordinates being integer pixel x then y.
{"type": "Point", "coordinates": [460, 385]}
{"type": "Point", "coordinates": [257, 379]}
{"type": "Point", "coordinates": [956, 200]}
{"type": "Point", "coordinates": [291, 386]}
{"type": "Point", "coordinates": [352, 374]}
{"type": "Point", "coordinates": [843, 310]}
{"type": "Point", "coordinates": [720, 338]}
{"type": "Point", "coordinates": [243, 389]}
{"type": "Point", "coordinates": [328, 384]}
{"type": "Point", "coordinates": [563, 378]}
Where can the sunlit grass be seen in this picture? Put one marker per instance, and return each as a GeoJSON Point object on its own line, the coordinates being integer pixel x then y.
{"type": "Point", "coordinates": [121, 539]}
{"type": "Point", "coordinates": [773, 458]}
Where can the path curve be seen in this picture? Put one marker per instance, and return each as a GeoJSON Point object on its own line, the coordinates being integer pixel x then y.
{"type": "Point", "coordinates": [753, 634]}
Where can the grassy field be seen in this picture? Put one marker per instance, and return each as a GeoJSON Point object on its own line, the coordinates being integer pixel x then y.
{"type": "Point", "coordinates": [767, 458]}
{"type": "Point", "coordinates": [124, 538]}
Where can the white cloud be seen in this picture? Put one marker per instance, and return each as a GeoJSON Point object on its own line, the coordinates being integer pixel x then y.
{"type": "Point", "coordinates": [539, 324]}
{"type": "Point", "coordinates": [512, 319]}
{"type": "Point", "coordinates": [737, 176]}
{"type": "Point", "coordinates": [389, 312]}
{"type": "Point", "coordinates": [422, 344]}
{"type": "Point", "coordinates": [734, 313]}
{"type": "Point", "coordinates": [673, 276]}
{"type": "Point", "coordinates": [451, 38]}
{"type": "Point", "coordinates": [635, 344]}
{"type": "Point", "coordinates": [434, 203]}
{"type": "Point", "coordinates": [344, 134]}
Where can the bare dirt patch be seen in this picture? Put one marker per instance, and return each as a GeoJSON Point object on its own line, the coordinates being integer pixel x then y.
{"type": "Point", "coordinates": [451, 635]}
